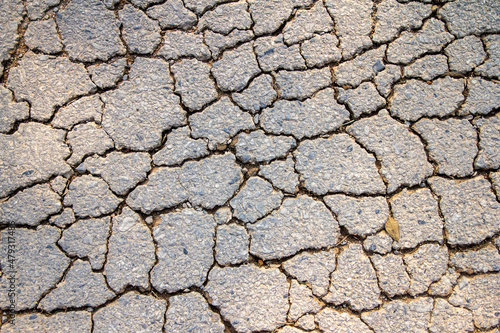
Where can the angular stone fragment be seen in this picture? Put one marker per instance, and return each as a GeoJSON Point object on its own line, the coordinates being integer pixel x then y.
{"type": "Point", "coordinates": [178, 44]}
{"type": "Point", "coordinates": [353, 24]}
{"type": "Point", "coordinates": [121, 171]}
{"type": "Point", "coordinates": [255, 200]}
{"type": "Point", "coordinates": [400, 316]}
{"type": "Point", "coordinates": [232, 244]}
{"type": "Point", "coordinates": [63, 322]}
{"type": "Point", "coordinates": [391, 274]}
{"type": "Point", "coordinates": [11, 14]}
{"type": "Point", "coordinates": [306, 23]}
{"type": "Point", "coordinates": [400, 152]}
{"type": "Point", "coordinates": [363, 99]}
{"type": "Point", "coordinates": [163, 190]}
{"type": "Point", "coordinates": [193, 83]}
{"type": "Point", "coordinates": [180, 147]}
{"type": "Point", "coordinates": [426, 265]}
{"type": "Point", "coordinates": [90, 196]}
{"type": "Point", "coordinates": [418, 217]}
{"type": "Point", "coordinates": [379, 243]}
{"type": "Point", "coordinates": [385, 79]}
{"type": "Point", "coordinates": [39, 265]}
{"type": "Point", "coordinates": [300, 223]}
{"type": "Point", "coordinates": [273, 54]}
{"type": "Point", "coordinates": [131, 252]}
{"type": "Point", "coordinates": [484, 260]}
{"type": "Point", "coordinates": [282, 174]}
{"type": "Point", "coordinates": [321, 50]}
{"type": "Point", "coordinates": [317, 115]}
{"type": "Point", "coordinates": [489, 144]}
{"type": "Point", "coordinates": [86, 139]}
{"type": "Point", "coordinates": [30, 206]}
{"type": "Point", "coordinates": [261, 301]}
{"type": "Point", "coordinates": [302, 301]}
{"type": "Point", "coordinates": [269, 15]}
{"type": "Point", "coordinates": [449, 319]}
{"type": "Point", "coordinates": [428, 67]}
{"type": "Point", "coordinates": [34, 153]}
{"type": "Point", "coordinates": [337, 164]}
{"type": "Point", "coordinates": [393, 17]}
{"type": "Point", "coordinates": [42, 36]}
{"type": "Point", "coordinates": [30, 79]}
{"type": "Point", "coordinates": [451, 143]}
{"type": "Point", "coordinates": [132, 312]}
{"type": "Point", "coordinates": [480, 295]}
{"type": "Point", "coordinates": [360, 216]}
{"type": "Point", "coordinates": [173, 14]}
{"type": "Point", "coordinates": [259, 147]}
{"type": "Point", "coordinates": [362, 68]}
{"type": "Point", "coordinates": [482, 97]}
{"type": "Point", "coordinates": [190, 313]}
{"type": "Point", "coordinates": [184, 242]}
{"type": "Point", "coordinates": [12, 111]}
{"type": "Point", "coordinates": [236, 67]}
{"type": "Point", "coordinates": [80, 288]}
{"type": "Point", "coordinates": [491, 67]}
{"type": "Point", "coordinates": [137, 113]}
{"type": "Point", "coordinates": [211, 181]}
{"type": "Point", "coordinates": [465, 54]}
{"type": "Point", "coordinates": [37, 8]}
{"type": "Point", "coordinates": [259, 94]}
{"type": "Point", "coordinates": [470, 209]}
{"type": "Point", "coordinates": [467, 17]}
{"type": "Point", "coordinates": [87, 239]}
{"type": "Point", "coordinates": [67, 217]}
{"type": "Point", "coordinates": [227, 17]}
{"type": "Point", "coordinates": [408, 46]}
{"type": "Point", "coordinates": [223, 215]}
{"type": "Point", "coordinates": [140, 33]}
{"type": "Point", "coordinates": [415, 99]}
{"type": "Point", "coordinates": [89, 31]}
{"type": "Point", "coordinates": [110, 4]}
{"type": "Point", "coordinates": [85, 109]}
{"type": "Point", "coordinates": [313, 268]}
{"type": "Point", "coordinates": [219, 122]}
{"type": "Point", "coordinates": [106, 75]}
{"type": "Point", "coordinates": [332, 321]}
{"type": "Point", "coordinates": [445, 285]}
{"type": "Point", "coordinates": [354, 281]}
{"type": "Point", "coordinates": [302, 84]}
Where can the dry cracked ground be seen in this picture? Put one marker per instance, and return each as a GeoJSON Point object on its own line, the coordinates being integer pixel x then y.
{"type": "Point", "coordinates": [250, 166]}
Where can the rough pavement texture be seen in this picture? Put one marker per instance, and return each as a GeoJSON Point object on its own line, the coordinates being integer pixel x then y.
{"type": "Point", "coordinates": [184, 243]}
{"type": "Point", "coordinates": [133, 312]}
{"type": "Point", "coordinates": [251, 298]}
{"type": "Point", "coordinates": [301, 223]}
{"type": "Point", "coordinates": [249, 166]}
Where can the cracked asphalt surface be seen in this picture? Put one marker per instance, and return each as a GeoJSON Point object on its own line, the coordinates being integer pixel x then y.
{"type": "Point", "coordinates": [250, 166]}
